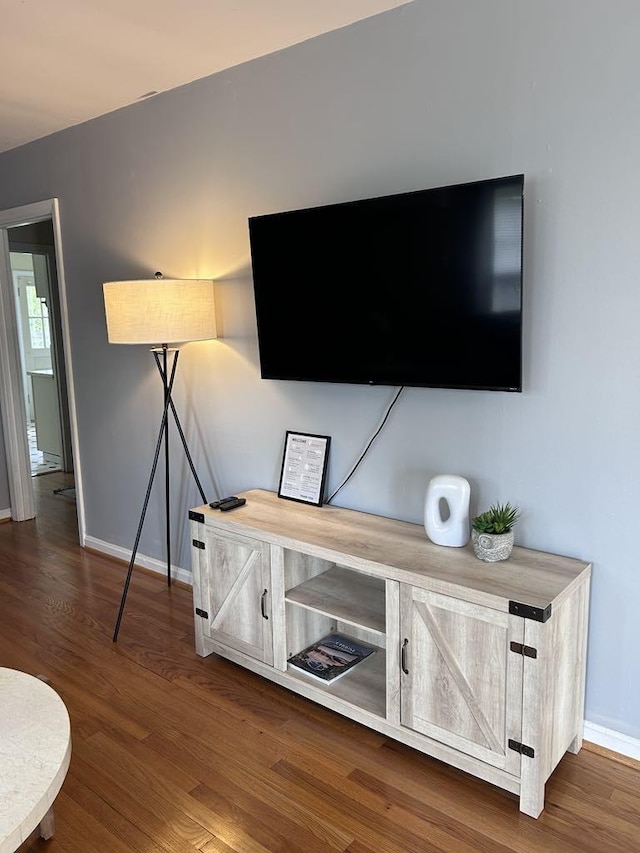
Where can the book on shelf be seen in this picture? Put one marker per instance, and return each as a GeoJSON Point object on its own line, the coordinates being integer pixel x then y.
{"type": "Point", "coordinates": [331, 657]}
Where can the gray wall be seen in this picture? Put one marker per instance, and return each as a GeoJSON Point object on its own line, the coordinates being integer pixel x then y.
{"type": "Point", "coordinates": [435, 92]}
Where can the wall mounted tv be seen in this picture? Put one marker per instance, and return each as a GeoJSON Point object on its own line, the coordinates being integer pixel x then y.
{"type": "Point", "coordinates": [422, 288]}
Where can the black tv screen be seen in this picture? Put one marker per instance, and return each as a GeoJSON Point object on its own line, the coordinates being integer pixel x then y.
{"type": "Point", "coordinates": [422, 288]}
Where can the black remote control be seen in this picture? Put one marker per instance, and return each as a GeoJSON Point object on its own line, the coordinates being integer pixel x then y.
{"type": "Point", "coordinates": [217, 504]}
{"type": "Point", "coordinates": [232, 504]}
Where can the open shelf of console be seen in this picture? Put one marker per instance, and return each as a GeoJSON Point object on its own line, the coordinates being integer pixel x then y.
{"type": "Point", "coordinates": [362, 687]}
{"type": "Point", "coordinates": [351, 597]}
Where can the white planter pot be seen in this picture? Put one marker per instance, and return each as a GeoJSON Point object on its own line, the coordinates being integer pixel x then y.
{"type": "Point", "coordinates": [492, 547]}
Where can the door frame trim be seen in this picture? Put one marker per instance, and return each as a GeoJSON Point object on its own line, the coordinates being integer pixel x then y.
{"type": "Point", "coordinates": [12, 401]}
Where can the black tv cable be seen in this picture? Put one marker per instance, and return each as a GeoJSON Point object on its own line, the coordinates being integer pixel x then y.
{"type": "Point", "coordinates": [371, 440]}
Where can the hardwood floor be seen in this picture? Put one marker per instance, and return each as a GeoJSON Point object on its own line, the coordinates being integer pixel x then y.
{"type": "Point", "coordinates": [173, 753]}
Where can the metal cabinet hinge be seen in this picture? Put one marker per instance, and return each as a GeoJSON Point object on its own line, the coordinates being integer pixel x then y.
{"type": "Point", "coordinates": [527, 611]}
{"type": "Point", "coordinates": [202, 613]}
{"type": "Point", "coordinates": [196, 516]}
{"type": "Point", "coordinates": [522, 748]}
{"type": "Point", "coordinates": [197, 544]}
{"type": "Point", "coordinates": [527, 651]}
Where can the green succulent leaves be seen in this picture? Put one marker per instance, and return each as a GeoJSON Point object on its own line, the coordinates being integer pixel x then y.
{"type": "Point", "coordinates": [499, 518]}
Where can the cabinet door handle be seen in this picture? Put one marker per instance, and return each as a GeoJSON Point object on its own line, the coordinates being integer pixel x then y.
{"type": "Point", "coordinates": [403, 656]}
{"type": "Point", "coordinates": [262, 605]}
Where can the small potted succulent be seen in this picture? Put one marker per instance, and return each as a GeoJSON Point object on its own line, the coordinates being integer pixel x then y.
{"type": "Point", "coordinates": [492, 532]}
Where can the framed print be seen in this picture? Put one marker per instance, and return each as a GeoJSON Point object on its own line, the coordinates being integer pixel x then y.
{"type": "Point", "coordinates": [304, 467]}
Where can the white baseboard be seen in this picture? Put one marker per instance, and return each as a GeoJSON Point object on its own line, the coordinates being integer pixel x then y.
{"type": "Point", "coordinates": [599, 735]}
{"type": "Point", "coordinates": [609, 739]}
{"type": "Point", "coordinates": [151, 563]}
{"type": "Point", "coordinates": [5, 513]}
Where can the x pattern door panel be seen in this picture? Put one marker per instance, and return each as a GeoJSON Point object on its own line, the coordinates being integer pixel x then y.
{"type": "Point", "coordinates": [464, 685]}
{"type": "Point", "coordinates": [238, 594]}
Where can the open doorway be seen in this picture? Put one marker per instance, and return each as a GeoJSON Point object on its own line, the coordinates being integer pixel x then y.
{"type": "Point", "coordinates": [33, 268]}
{"type": "Point", "coordinates": [39, 378]}
{"type": "Point", "coordinates": [36, 377]}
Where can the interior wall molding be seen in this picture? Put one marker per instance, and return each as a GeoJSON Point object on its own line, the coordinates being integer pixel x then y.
{"type": "Point", "coordinates": [124, 554]}
{"type": "Point", "coordinates": [11, 389]}
{"type": "Point", "coordinates": [612, 741]}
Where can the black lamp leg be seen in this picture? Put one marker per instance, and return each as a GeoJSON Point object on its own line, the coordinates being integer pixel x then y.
{"type": "Point", "coordinates": [167, 399]}
{"type": "Point", "coordinates": [162, 434]}
{"type": "Point", "coordinates": [186, 452]}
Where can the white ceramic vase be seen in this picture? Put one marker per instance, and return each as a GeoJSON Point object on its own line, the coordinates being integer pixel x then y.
{"type": "Point", "coordinates": [452, 529]}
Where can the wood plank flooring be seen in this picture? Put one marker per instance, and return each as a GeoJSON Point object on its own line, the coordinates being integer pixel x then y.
{"type": "Point", "coordinates": [175, 754]}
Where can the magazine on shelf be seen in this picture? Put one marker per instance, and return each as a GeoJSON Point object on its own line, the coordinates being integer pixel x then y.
{"type": "Point", "coordinates": [331, 657]}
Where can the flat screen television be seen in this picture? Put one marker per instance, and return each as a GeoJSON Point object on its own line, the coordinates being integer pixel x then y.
{"type": "Point", "coordinates": [421, 288]}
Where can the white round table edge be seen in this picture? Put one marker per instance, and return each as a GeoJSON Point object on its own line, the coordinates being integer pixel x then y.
{"type": "Point", "coordinates": [20, 823]}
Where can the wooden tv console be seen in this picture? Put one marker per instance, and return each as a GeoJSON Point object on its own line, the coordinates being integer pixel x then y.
{"type": "Point", "coordinates": [481, 665]}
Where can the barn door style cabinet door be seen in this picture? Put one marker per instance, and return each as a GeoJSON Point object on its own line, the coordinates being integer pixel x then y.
{"type": "Point", "coordinates": [233, 592]}
{"type": "Point", "coordinates": [461, 684]}
{"type": "Point", "coordinates": [481, 665]}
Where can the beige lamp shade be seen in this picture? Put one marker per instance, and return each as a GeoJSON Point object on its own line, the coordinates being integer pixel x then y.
{"type": "Point", "coordinates": [159, 311]}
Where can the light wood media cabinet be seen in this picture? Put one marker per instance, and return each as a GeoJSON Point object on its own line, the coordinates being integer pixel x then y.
{"type": "Point", "coordinates": [481, 665]}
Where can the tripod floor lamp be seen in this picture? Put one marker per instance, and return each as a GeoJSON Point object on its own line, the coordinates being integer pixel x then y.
{"type": "Point", "coordinates": [160, 312]}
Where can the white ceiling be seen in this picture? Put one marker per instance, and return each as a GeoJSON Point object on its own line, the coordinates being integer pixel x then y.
{"type": "Point", "coordinates": [65, 61]}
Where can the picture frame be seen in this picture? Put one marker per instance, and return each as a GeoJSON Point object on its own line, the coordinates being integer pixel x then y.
{"type": "Point", "coordinates": [304, 467]}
